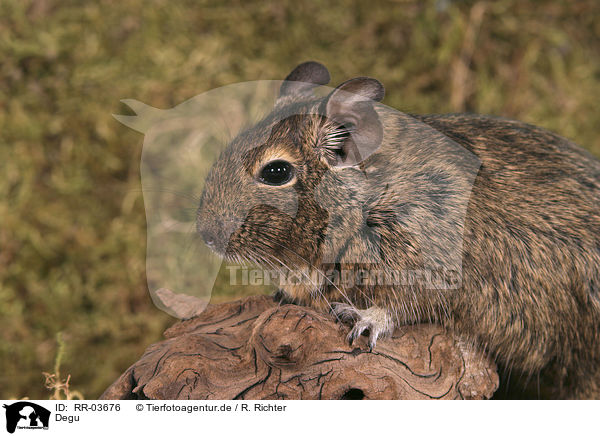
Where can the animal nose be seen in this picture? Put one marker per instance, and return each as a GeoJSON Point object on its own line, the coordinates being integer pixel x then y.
{"type": "Point", "coordinates": [209, 238]}
{"type": "Point", "coordinates": [217, 232]}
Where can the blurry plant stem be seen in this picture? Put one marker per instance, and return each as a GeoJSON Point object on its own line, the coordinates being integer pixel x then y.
{"type": "Point", "coordinates": [60, 388]}
{"type": "Point", "coordinates": [460, 75]}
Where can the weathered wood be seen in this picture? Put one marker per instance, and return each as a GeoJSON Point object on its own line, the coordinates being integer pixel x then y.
{"type": "Point", "coordinates": [257, 349]}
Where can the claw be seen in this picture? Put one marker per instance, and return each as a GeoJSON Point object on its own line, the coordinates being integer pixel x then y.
{"type": "Point", "coordinates": [374, 319]}
{"type": "Point", "coordinates": [345, 312]}
{"type": "Point", "coordinates": [373, 339]}
{"type": "Point", "coordinates": [357, 331]}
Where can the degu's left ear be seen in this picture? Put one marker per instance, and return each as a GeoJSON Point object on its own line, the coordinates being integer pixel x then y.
{"type": "Point", "coordinates": [359, 132]}
{"type": "Point", "coordinates": [304, 78]}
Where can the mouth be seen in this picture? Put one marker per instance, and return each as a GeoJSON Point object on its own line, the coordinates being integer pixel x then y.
{"type": "Point", "coordinates": [224, 250]}
{"type": "Point", "coordinates": [214, 247]}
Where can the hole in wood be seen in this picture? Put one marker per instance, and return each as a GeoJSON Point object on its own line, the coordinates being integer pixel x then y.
{"type": "Point", "coordinates": [353, 394]}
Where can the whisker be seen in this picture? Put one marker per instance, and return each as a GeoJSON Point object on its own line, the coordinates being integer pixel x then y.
{"type": "Point", "coordinates": [316, 287]}
{"type": "Point", "coordinates": [313, 267]}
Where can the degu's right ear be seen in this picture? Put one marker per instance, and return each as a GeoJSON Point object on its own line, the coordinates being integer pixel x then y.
{"type": "Point", "coordinates": [359, 131]}
{"type": "Point", "coordinates": [304, 78]}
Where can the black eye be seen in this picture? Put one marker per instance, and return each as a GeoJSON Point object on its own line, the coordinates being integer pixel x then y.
{"type": "Point", "coordinates": [278, 172]}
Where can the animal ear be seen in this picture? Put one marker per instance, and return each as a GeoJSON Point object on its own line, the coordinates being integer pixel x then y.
{"type": "Point", "coordinates": [304, 78]}
{"type": "Point", "coordinates": [359, 132]}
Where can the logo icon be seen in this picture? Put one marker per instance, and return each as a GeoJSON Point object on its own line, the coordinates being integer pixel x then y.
{"type": "Point", "coordinates": [26, 415]}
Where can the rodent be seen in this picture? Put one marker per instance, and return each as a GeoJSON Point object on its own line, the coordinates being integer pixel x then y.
{"type": "Point", "coordinates": [530, 251]}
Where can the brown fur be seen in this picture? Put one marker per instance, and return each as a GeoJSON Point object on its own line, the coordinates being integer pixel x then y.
{"type": "Point", "coordinates": [529, 246]}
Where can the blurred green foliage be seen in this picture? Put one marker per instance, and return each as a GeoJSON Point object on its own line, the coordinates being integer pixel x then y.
{"type": "Point", "coordinates": [72, 233]}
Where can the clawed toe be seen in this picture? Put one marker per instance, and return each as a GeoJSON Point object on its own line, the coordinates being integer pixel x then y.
{"type": "Point", "coordinates": [359, 328]}
{"type": "Point", "coordinates": [345, 312]}
{"type": "Point", "coordinates": [374, 320]}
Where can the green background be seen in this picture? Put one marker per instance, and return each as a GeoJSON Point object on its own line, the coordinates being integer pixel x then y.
{"type": "Point", "coordinates": [72, 223]}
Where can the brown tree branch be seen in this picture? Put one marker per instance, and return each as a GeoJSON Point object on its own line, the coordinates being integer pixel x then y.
{"type": "Point", "coordinates": [256, 349]}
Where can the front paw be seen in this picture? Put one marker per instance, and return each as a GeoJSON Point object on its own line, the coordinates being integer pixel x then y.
{"type": "Point", "coordinates": [375, 320]}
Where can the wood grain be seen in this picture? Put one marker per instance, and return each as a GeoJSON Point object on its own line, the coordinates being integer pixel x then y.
{"type": "Point", "coordinates": [257, 349]}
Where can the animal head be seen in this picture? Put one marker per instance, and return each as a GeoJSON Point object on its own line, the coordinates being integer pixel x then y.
{"type": "Point", "coordinates": [263, 198]}
{"type": "Point", "coordinates": [328, 176]}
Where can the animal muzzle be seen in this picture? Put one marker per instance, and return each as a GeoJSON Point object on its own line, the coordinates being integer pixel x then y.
{"type": "Point", "coordinates": [217, 233]}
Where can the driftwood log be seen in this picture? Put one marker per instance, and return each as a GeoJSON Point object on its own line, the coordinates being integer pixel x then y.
{"type": "Point", "coordinates": [257, 349]}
